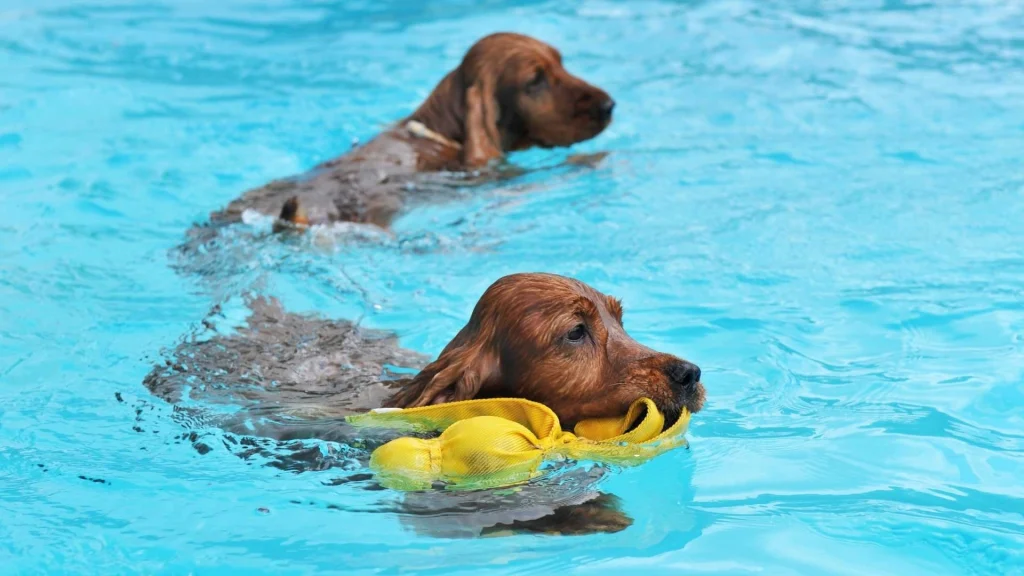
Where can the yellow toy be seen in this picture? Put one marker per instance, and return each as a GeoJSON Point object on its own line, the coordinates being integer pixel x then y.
{"type": "Point", "coordinates": [503, 441]}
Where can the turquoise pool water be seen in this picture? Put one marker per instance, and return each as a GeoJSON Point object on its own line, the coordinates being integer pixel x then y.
{"type": "Point", "coordinates": [823, 207]}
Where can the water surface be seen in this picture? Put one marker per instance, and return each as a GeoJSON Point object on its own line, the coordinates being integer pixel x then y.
{"type": "Point", "coordinates": [822, 207]}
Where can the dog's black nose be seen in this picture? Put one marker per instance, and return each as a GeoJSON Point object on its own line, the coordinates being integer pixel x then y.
{"type": "Point", "coordinates": [683, 374]}
{"type": "Point", "coordinates": [604, 109]}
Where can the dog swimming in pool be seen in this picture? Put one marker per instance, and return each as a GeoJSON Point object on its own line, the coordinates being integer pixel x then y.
{"type": "Point", "coordinates": [541, 337]}
{"type": "Point", "coordinates": [510, 92]}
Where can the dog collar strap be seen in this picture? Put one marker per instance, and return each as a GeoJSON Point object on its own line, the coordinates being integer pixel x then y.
{"type": "Point", "coordinates": [418, 129]}
{"type": "Point", "coordinates": [503, 441]}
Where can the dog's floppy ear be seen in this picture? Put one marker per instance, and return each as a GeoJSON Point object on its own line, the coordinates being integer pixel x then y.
{"type": "Point", "coordinates": [459, 373]}
{"type": "Point", "coordinates": [482, 141]}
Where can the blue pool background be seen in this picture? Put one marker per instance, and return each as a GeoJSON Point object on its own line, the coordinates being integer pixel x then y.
{"type": "Point", "coordinates": [823, 207]}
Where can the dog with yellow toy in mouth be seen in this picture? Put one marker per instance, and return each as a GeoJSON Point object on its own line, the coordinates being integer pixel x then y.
{"type": "Point", "coordinates": [548, 340]}
{"type": "Point", "coordinates": [543, 371]}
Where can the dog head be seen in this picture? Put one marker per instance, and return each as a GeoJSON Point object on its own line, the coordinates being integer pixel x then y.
{"type": "Point", "coordinates": [556, 341]}
{"type": "Point", "coordinates": [512, 91]}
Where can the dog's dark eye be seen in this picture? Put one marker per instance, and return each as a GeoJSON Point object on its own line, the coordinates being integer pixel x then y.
{"type": "Point", "coordinates": [577, 333]}
{"type": "Point", "coordinates": [538, 82]}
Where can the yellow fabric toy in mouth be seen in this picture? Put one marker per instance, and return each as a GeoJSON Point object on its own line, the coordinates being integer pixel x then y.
{"type": "Point", "coordinates": [503, 441]}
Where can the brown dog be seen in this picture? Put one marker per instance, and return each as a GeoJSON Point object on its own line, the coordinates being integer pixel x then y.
{"type": "Point", "coordinates": [542, 337]}
{"type": "Point", "coordinates": [537, 336]}
{"type": "Point", "coordinates": [556, 341]}
{"type": "Point", "coordinates": [509, 93]}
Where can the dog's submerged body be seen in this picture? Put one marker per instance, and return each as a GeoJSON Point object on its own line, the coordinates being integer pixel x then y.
{"type": "Point", "coordinates": [509, 93]}
{"type": "Point", "coordinates": [280, 363]}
